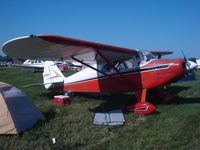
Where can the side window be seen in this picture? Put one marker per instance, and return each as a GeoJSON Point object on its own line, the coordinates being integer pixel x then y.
{"type": "Point", "coordinates": [106, 68]}
{"type": "Point", "coordinates": [146, 56]}
{"type": "Point", "coordinates": [132, 63]}
{"type": "Point", "coordinates": [121, 66]}
{"type": "Point", "coordinates": [129, 63]}
{"type": "Point", "coordinates": [124, 64]}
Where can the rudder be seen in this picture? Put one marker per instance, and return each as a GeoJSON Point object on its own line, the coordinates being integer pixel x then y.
{"type": "Point", "coordinates": [52, 76]}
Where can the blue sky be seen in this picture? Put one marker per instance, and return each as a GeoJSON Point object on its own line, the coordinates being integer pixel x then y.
{"type": "Point", "coordinates": [139, 24]}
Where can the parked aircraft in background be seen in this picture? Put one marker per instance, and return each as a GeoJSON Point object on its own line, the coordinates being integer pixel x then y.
{"type": "Point", "coordinates": [36, 63]}
{"type": "Point", "coordinates": [39, 64]}
{"type": "Point", "coordinates": [198, 63]}
{"type": "Point", "coordinates": [108, 68]}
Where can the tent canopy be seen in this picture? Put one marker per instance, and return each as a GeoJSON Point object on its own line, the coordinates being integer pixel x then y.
{"type": "Point", "coordinates": [17, 111]}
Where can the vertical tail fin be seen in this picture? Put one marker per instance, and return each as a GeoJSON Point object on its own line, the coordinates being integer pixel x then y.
{"type": "Point", "coordinates": [52, 76]}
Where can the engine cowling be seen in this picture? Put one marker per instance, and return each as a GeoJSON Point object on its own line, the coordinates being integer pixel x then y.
{"type": "Point", "coordinates": [142, 108]}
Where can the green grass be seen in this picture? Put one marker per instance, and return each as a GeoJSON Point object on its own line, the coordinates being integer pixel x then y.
{"type": "Point", "coordinates": [172, 126]}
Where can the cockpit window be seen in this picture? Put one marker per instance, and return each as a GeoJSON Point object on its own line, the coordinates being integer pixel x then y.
{"type": "Point", "coordinates": [120, 66]}
{"type": "Point", "coordinates": [124, 64]}
{"type": "Point", "coordinates": [106, 68]}
{"type": "Point", "coordinates": [131, 63]}
{"type": "Point", "coordinates": [146, 56]}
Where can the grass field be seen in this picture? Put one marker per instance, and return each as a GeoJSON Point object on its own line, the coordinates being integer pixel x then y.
{"type": "Point", "coordinates": [172, 126]}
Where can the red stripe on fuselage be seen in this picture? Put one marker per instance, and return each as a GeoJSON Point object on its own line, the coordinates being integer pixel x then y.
{"type": "Point", "coordinates": [137, 80]}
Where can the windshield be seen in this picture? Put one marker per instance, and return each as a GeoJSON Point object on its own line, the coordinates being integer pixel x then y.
{"type": "Point", "coordinates": [122, 65]}
{"type": "Point", "coordinates": [146, 55]}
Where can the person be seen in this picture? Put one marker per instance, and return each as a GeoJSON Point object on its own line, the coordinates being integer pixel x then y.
{"type": "Point", "coordinates": [129, 63]}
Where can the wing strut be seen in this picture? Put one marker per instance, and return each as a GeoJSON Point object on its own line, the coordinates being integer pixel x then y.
{"type": "Point", "coordinates": [112, 66]}
{"type": "Point", "coordinates": [91, 67]}
{"type": "Point", "coordinates": [108, 75]}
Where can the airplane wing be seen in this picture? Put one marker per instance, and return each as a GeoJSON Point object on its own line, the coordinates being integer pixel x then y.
{"type": "Point", "coordinates": [52, 47]}
{"type": "Point", "coordinates": [159, 54]}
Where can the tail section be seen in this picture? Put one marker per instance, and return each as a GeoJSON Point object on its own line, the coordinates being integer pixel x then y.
{"type": "Point", "coordinates": [52, 76]}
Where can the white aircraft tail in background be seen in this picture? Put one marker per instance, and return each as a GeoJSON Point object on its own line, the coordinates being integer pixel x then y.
{"type": "Point", "coordinates": [198, 63]}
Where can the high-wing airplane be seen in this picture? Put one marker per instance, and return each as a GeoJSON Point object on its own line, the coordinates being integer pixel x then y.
{"type": "Point", "coordinates": [108, 68]}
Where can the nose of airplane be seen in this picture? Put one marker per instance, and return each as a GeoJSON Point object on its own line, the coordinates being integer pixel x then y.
{"type": "Point", "coordinates": [190, 65]}
{"type": "Point", "coordinates": [182, 65]}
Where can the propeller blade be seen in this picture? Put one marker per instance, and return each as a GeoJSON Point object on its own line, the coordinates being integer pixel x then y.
{"type": "Point", "coordinates": [187, 63]}
{"type": "Point", "coordinates": [184, 56]}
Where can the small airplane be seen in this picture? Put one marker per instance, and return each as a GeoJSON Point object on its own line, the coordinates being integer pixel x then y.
{"type": "Point", "coordinates": [36, 63]}
{"type": "Point", "coordinates": [198, 63]}
{"type": "Point", "coordinates": [107, 68]}
{"type": "Point", "coordinates": [191, 64]}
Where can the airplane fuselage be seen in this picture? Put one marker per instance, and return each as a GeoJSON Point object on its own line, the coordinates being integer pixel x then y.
{"type": "Point", "coordinates": [152, 74]}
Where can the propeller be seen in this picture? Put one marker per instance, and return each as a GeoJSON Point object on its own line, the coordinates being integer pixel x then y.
{"type": "Point", "coordinates": [189, 65]}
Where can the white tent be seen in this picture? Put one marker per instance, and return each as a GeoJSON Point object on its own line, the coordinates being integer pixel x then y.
{"type": "Point", "coordinates": [17, 111]}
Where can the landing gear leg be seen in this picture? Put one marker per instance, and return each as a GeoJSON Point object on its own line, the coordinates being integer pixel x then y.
{"type": "Point", "coordinates": [141, 95]}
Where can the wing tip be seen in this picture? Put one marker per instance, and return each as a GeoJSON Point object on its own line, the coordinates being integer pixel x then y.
{"type": "Point", "coordinates": [11, 40]}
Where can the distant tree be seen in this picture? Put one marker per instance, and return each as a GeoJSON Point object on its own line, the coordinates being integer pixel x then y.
{"type": "Point", "coordinates": [5, 58]}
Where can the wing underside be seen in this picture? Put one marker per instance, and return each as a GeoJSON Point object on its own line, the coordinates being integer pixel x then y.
{"type": "Point", "coordinates": [51, 47]}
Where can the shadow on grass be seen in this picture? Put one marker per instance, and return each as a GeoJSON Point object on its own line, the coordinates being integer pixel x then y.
{"type": "Point", "coordinates": [174, 90]}
{"type": "Point", "coordinates": [187, 100]}
{"type": "Point", "coordinates": [49, 115]}
{"type": "Point", "coordinates": [123, 100]}
{"type": "Point", "coordinates": [50, 94]}
{"type": "Point", "coordinates": [114, 101]}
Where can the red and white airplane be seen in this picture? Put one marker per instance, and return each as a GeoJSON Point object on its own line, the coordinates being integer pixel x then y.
{"type": "Point", "coordinates": [108, 68]}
